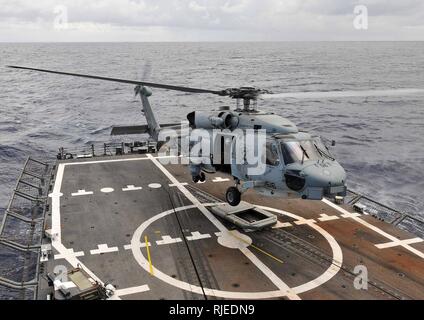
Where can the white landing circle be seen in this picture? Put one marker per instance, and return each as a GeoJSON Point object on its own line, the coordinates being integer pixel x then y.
{"type": "Point", "coordinates": [106, 190]}
{"type": "Point", "coordinates": [332, 270]}
{"type": "Point", "coordinates": [155, 186]}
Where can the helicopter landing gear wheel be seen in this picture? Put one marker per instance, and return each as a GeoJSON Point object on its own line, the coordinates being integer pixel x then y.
{"type": "Point", "coordinates": [233, 196]}
{"type": "Point", "coordinates": [199, 178]}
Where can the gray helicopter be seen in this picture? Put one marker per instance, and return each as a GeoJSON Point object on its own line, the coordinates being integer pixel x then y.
{"type": "Point", "coordinates": [295, 163]}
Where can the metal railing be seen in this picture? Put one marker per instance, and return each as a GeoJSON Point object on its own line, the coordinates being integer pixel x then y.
{"type": "Point", "coordinates": [108, 149]}
{"type": "Point", "coordinates": [402, 220]}
{"type": "Point", "coordinates": [21, 231]}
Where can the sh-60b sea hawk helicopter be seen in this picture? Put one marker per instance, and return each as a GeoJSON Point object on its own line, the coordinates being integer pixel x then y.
{"type": "Point", "coordinates": [297, 163]}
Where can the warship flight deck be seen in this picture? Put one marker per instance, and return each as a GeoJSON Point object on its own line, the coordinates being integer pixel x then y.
{"type": "Point", "coordinates": [143, 228]}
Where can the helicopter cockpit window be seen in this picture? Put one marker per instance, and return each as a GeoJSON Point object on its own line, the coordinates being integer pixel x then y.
{"type": "Point", "coordinates": [298, 151]}
{"type": "Point", "coordinates": [322, 148]}
{"type": "Point", "coordinates": [272, 157]}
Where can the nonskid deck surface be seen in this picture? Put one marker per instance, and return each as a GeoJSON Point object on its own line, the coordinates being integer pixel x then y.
{"type": "Point", "coordinates": [146, 229]}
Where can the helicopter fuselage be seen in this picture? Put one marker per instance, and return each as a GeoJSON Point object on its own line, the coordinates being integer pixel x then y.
{"type": "Point", "coordinates": [295, 163]}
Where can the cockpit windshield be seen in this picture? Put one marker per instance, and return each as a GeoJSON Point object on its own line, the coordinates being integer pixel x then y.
{"type": "Point", "coordinates": [299, 151]}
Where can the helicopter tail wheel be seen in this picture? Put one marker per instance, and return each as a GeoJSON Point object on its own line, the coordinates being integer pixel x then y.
{"type": "Point", "coordinates": [233, 196]}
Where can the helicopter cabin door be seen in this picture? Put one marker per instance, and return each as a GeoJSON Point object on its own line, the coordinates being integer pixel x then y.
{"type": "Point", "coordinates": [221, 157]}
{"type": "Point", "coordinates": [239, 165]}
{"type": "Point", "coordinates": [266, 168]}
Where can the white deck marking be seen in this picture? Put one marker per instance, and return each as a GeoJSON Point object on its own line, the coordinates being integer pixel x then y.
{"type": "Point", "coordinates": [56, 229]}
{"type": "Point", "coordinates": [74, 261]}
{"type": "Point", "coordinates": [337, 261]}
{"type": "Point", "coordinates": [280, 224]}
{"type": "Point", "coordinates": [375, 229]}
{"type": "Point", "coordinates": [174, 185]}
{"type": "Point", "coordinates": [81, 193]}
{"type": "Point", "coordinates": [234, 240]}
{"type": "Point", "coordinates": [197, 236]}
{"type": "Point", "coordinates": [304, 221]}
{"type": "Point", "coordinates": [132, 290]}
{"type": "Point", "coordinates": [258, 263]}
{"type": "Point", "coordinates": [116, 160]}
{"type": "Point", "coordinates": [55, 195]}
{"type": "Point", "coordinates": [351, 215]}
{"type": "Point", "coordinates": [155, 185]}
{"type": "Point", "coordinates": [168, 240]}
{"type": "Point", "coordinates": [315, 283]}
{"type": "Point", "coordinates": [284, 288]}
{"type": "Point", "coordinates": [325, 217]}
{"type": "Point", "coordinates": [131, 187]}
{"type": "Point", "coordinates": [398, 243]}
{"type": "Point", "coordinates": [69, 252]}
{"type": "Point", "coordinates": [103, 248]}
{"type": "Point", "coordinates": [141, 245]}
{"type": "Point", "coordinates": [106, 190]}
{"type": "Point", "coordinates": [219, 179]}
{"type": "Point", "coordinates": [56, 243]}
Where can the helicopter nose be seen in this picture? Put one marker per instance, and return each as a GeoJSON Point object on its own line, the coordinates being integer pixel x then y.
{"type": "Point", "coordinates": [325, 175]}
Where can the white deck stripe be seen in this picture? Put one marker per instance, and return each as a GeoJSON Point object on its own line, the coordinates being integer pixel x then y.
{"type": "Point", "coordinates": [337, 261]}
{"type": "Point", "coordinates": [182, 183]}
{"type": "Point", "coordinates": [168, 240]}
{"type": "Point", "coordinates": [398, 243]}
{"type": "Point", "coordinates": [103, 248]}
{"type": "Point", "coordinates": [55, 195]}
{"type": "Point", "coordinates": [132, 290]}
{"type": "Point", "coordinates": [116, 160]}
{"type": "Point", "coordinates": [375, 229]}
{"type": "Point", "coordinates": [259, 264]}
{"type": "Point", "coordinates": [325, 217]}
{"type": "Point", "coordinates": [70, 251]}
{"type": "Point", "coordinates": [280, 284]}
{"type": "Point", "coordinates": [304, 221]}
{"type": "Point", "coordinates": [56, 227]}
{"type": "Point", "coordinates": [141, 245]}
{"type": "Point", "coordinates": [131, 187]}
{"type": "Point", "coordinates": [280, 224]}
{"type": "Point", "coordinates": [81, 193]}
{"type": "Point", "coordinates": [196, 235]}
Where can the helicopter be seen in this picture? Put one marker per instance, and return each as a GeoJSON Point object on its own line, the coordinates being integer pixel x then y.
{"type": "Point", "coordinates": [296, 164]}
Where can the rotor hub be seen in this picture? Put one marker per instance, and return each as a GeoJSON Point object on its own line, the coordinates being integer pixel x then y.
{"type": "Point", "coordinates": [245, 93]}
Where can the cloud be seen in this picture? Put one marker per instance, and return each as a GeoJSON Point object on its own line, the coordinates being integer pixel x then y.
{"type": "Point", "coordinates": [25, 20]}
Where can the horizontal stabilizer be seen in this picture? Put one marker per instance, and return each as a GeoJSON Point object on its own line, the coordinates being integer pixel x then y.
{"type": "Point", "coordinates": [124, 130]}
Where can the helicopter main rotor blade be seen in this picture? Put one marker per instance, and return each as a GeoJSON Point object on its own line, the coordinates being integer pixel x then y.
{"type": "Point", "coordinates": [343, 94]}
{"type": "Point", "coordinates": [137, 83]}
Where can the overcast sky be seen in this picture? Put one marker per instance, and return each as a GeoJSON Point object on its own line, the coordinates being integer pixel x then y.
{"type": "Point", "coordinates": [208, 20]}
